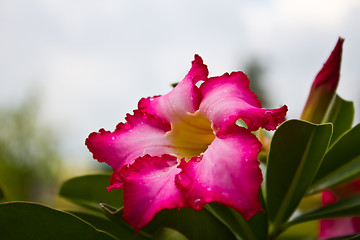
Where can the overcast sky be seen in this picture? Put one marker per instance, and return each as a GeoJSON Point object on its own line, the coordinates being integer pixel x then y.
{"type": "Point", "coordinates": [93, 60]}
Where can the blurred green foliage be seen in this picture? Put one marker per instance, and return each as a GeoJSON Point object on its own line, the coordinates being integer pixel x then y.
{"type": "Point", "coordinates": [29, 158]}
{"type": "Point", "coordinates": [255, 71]}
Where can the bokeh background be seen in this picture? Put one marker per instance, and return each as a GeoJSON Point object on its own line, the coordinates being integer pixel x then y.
{"type": "Point", "coordinates": [68, 68]}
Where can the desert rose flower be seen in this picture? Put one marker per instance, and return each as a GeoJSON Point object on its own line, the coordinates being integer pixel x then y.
{"type": "Point", "coordinates": [184, 149]}
{"type": "Point", "coordinates": [324, 87]}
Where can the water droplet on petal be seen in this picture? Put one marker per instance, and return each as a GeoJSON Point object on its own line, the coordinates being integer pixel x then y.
{"type": "Point", "coordinates": [268, 113]}
{"type": "Point", "coordinates": [151, 99]}
{"type": "Point", "coordinates": [184, 180]}
{"type": "Point", "coordinates": [208, 189]}
{"type": "Point", "coordinates": [198, 203]}
{"type": "Point", "coordinates": [112, 138]}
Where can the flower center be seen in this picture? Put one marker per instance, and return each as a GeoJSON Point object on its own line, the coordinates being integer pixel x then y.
{"type": "Point", "coordinates": [191, 135]}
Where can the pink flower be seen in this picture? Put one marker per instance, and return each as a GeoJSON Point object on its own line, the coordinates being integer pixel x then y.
{"type": "Point", "coordinates": [184, 149]}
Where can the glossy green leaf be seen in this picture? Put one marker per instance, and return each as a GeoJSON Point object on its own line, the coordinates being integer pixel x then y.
{"type": "Point", "coordinates": [121, 232]}
{"type": "Point", "coordinates": [89, 190]}
{"type": "Point", "coordinates": [296, 151]}
{"type": "Point", "coordinates": [226, 216]}
{"type": "Point", "coordinates": [24, 220]}
{"type": "Point", "coordinates": [341, 115]}
{"type": "Point", "coordinates": [341, 163]}
{"type": "Point", "coordinates": [192, 224]}
{"type": "Point", "coordinates": [342, 208]}
{"type": "Point", "coordinates": [168, 234]}
{"type": "Point", "coordinates": [254, 229]}
{"type": "Point", "coordinates": [115, 216]}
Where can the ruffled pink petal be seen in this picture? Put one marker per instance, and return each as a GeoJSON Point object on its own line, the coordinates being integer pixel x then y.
{"type": "Point", "coordinates": [227, 173]}
{"type": "Point", "coordinates": [149, 187]}
{"type": "Point", "coordinates": [184, 98]}
{"type": "Point", "coordinates": [228, 98]}
{"type": "Point", "coordinates": [141, 134]}
{"type": "Point", "coordinates": [115, 181]}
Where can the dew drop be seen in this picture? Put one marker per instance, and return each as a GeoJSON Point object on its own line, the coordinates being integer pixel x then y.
{"type": "Point", "coordinates": [151, 99]}
{"type": "Point", "coordinates": [208, 189]}
{"type": "Point", "coordinates": [268, 113]}
{"type": "Point", "coordinates": [183, 180]}
{"type": "Point", "coordinates": [198, 203]}
{"type": "Point", "coordinates": [112, 138]}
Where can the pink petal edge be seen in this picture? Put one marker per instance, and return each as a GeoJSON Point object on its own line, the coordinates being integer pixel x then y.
{"type": "Point", "coordinates": [184, 98]}
{"type": "Point", "coordinates": [228, 98]}
{"type": "Point", "coordinates": [141, 134]}
{"type": "Point", "coordinates": [227, 173]}
{"type": "Point", "coordinates": [149, 187]}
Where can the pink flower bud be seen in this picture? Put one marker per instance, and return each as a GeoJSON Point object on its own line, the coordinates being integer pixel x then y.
{"type": "Point", "coordinates": [324, 87]}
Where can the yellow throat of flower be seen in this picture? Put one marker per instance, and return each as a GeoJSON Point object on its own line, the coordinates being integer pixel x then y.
{"type": "Point", "coordinates": [191, 135]}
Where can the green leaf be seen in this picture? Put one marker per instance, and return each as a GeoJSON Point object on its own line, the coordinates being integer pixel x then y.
{"type": "Point", "coordinates": [341, 115]}
{"type": "Point", "coordinates": [2, 195]}
{"type": "Point", "coordinates": [296, 151]}
{"type": "Point", "coordinates": [192, 224]}
{"type": "Point", "coordinates": [342, 208]}
{"type": "Point", "coordinates": [115, 216]}
{"type": "Point", "coordinates": [121, 232]}
{"type": "Point", "coordinates": [308, 230]}
{"type": "Point", "coordinates": [255, 228]}
{"type": "Point", "coordinates": [226, 216]}
{"type": "Point", "coordinates": [341, 163]}
{"type": "Point", "coordinates": [24, 220]}
{"type": "Point", "coordinates": [89, 190]}
{"type": "Point", "coordinates": [168, 234]}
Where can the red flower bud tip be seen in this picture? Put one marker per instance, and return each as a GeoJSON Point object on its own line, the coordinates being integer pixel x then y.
{"type": "Point", "coordinates": [324, 87]}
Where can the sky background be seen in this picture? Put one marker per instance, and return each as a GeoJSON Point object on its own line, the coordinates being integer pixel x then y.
{"type": "Point", "coordinates": [91, 61]}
